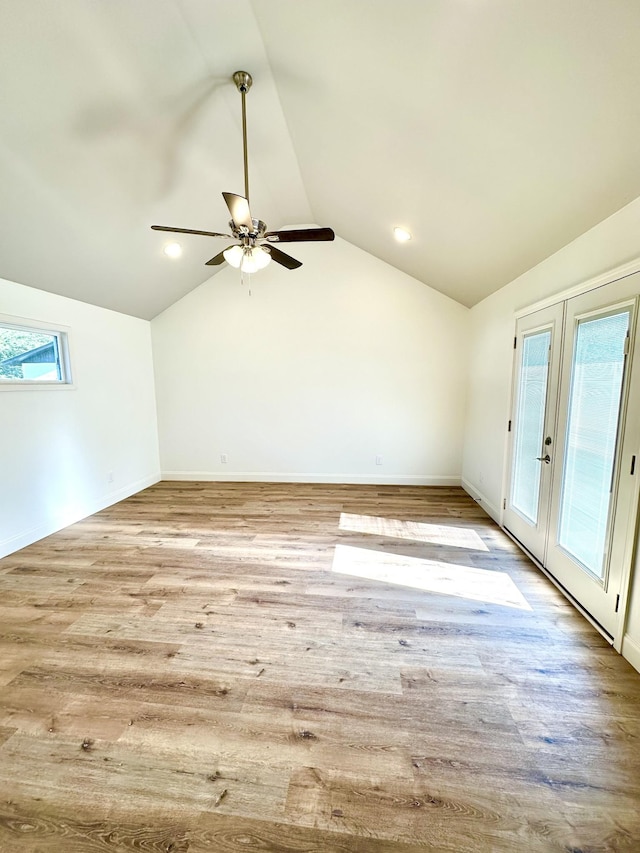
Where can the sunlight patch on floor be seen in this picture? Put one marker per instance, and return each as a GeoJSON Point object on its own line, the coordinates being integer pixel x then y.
{"type": "Point", "coordinates": [491, 587]}
{"type": "Point", "coordinates": [417, 531]}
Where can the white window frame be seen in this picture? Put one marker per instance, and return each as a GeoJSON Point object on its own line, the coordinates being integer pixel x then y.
{"type": "Point", "coordinates": [62, 335]}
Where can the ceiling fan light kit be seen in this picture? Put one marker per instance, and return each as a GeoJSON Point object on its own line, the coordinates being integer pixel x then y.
{"type": "Point", "coordinates": [254, 248]}
{"type": "Point", "coordinates": [247, 259]}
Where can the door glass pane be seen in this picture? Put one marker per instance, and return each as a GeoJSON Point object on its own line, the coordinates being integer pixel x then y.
{"type": "Point", "coordinates": [529, 426]}
{"type": "Point", "coordinates": [594, 410]}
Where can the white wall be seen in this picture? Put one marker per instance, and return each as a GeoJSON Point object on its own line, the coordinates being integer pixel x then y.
{"type": "Point", "coordinates": [59, 445]}
{"type": "Point", "coordinates": [312, 376]}
{"type": "Point", "coordinates": [611, 243]}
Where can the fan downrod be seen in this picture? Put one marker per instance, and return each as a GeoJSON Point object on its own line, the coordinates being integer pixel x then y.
{"type": "Point", "coordinates": [243, 81]}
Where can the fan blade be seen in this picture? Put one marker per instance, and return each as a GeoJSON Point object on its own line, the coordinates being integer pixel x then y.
{"type": "Point", "coordinates": [219, 258]}
{"type": "Point", "coordinates": [284, 259]}
{"type": "Point", "coordinates": [300, 235]}
{"type": "Point", "coordinates": [188, 231]}
{"type": "Point", "coordinates": [239, 210]}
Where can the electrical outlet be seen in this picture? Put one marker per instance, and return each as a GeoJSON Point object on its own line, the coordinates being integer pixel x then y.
{"type": "Point", "coordinates": [110, 477]}
{"type": "Point", "coordinates": [224, 458]}
{"type": "Point", "coordinates": [378, 460]}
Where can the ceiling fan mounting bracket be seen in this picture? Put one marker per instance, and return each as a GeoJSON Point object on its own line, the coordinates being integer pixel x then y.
{"type": "Point", "coordinates": [243, 81]}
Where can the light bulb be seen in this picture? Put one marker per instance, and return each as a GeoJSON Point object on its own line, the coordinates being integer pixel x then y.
{"type": "Point", "coordinates": [254, 259]}
{"type": "Point", "coordinates": [248, 262]}
{"type": "Point", "coordinates": [233, 256]}
{"type": "Point", "coordinates": [173, 250]}
{"type": "Point", "coordinates": [262, 258]}
{"type": "Point", "coordinates": [401, 234]}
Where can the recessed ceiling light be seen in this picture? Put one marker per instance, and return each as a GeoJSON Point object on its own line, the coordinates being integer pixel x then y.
{"type": "Point", "coordinates": [173, 250]}
{"type": "Point", "coordinates": [401, 234]}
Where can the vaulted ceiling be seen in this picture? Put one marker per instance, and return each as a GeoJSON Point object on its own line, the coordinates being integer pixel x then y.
{"type": "Point", "coordinates": [496, 131]}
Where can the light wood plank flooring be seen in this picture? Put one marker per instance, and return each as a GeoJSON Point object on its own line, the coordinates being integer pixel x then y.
{"type": "Point", "coordinates": [237, 667]}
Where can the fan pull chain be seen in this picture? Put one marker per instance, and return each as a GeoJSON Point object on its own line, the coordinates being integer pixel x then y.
{"type": "Point", "coordinates": [247, 280]}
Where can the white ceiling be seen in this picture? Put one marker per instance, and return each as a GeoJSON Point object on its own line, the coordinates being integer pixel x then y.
{"type": "Point", "coordinates": [495, 130]}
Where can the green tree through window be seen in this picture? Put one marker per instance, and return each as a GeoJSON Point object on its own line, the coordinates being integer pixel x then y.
{"type": "Point", "coordinates": [16, 342]}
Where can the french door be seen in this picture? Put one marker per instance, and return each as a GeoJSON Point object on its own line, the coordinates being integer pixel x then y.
{"type": "Point", "coordinates": [569, 495]}
{"type": "Point", "coordinates": [538, 346]}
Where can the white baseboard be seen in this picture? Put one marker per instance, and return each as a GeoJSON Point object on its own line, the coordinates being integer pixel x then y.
{"type": "Point", "coordinates": [52, 525]}
{"type": "Point", "coordinates": [339, 479]}
{"type": "Point", "coordinates": [484, 502]}
{"type": "Point", "coordinates": [631, 651]}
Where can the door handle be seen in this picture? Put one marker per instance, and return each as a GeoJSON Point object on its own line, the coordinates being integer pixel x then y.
{"type": "Point", "coordinates": [546, 458]}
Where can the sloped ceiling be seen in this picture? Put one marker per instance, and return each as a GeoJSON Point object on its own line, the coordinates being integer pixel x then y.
{"type": "Point", "coordinates": [495, 130]}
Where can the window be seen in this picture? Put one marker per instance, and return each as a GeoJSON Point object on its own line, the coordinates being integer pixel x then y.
{"type": "Point", "coordinates": [32, 355]}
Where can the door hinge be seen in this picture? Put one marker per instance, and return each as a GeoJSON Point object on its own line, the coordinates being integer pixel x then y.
{"type": "Point", "coordinates": [633, 466]}
{"type": "Point", "coordinates": [626, 344]}
{"type": "Point", "coordinates": [515, 341]}
{"type": "Point", "coordinates": [617, 602]}
{"type": "Point", "coordinates": [504, 503]}
{"type": "Point", "coordinates": [509, 430]}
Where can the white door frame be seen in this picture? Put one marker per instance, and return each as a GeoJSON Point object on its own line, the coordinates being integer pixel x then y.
{"type": "Point", "coordinates": [630, 442]}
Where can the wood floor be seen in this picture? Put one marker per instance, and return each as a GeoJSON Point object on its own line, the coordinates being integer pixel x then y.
{"type": "Point", "coordinates": [256, 667]}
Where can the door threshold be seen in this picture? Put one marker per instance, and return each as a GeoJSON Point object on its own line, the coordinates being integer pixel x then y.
{"type": "Point", "coordinates": [607, 636]}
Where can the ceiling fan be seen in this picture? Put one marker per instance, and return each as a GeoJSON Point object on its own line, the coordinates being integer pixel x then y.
{"type": "Point", "coordinates": [255, 246]}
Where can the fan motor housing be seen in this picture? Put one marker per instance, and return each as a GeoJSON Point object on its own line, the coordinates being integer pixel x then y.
{"type": "Point", "coordinates": [259, 229]}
